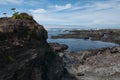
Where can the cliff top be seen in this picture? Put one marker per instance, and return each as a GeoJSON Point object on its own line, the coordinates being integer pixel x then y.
{"type": "Point", "coordinates": [19, 30]}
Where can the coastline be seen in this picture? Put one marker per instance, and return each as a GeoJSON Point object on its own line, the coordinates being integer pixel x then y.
{"type": "Point", "coordinates": [93, 64]}
{"type": "Point", "coordinates": [107, 35]}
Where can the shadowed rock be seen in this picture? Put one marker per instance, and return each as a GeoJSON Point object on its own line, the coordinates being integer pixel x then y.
{"type": "Point", "coordinates": [25, 53]}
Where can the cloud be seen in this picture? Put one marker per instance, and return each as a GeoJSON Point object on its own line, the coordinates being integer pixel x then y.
{"type": "Point", "coordinates": [59, 7]}
{"type": "Point", "coordinates": [89, 13]}
{"type": "Point", "coordinates": [37, 11]}
{"type": "Point", "coordinates": [95, 6]}
{"type": "Point", "coordinates": [11, 1]}
{"type": "Point", "coordinates": [35, 3]}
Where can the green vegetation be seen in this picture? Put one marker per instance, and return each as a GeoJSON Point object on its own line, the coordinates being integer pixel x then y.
{"type": "Point", "coordinates": [5, 14]}
{"type": "Point", "coordinates": [10, 58]}
{"type": "Point", "coordinates": [18, 15]}
{"type": "Point", "coordinates": [13, 9]}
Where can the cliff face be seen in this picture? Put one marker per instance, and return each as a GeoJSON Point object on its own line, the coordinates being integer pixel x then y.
{"type": "Point", "coordinates": [21, 28]}
{"type": "Point", "coordinates": [25, 54]}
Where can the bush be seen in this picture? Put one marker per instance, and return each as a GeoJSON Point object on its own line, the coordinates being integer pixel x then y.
{"type": "Point", "coordinates": [18, 15]}
{"type": "Point", "coordinates": [26, 16]}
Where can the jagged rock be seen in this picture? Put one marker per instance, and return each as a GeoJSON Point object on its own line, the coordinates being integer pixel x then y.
{"type": "Point", "coordinates": [25, 54]}
{"type": "Point", "coordinates": [100, 64]}
{"type": "Point", "coordinates": [58, 47]}
{"type": "Point", "coordinates": [20, 32]}
{"type": "Point", "coordinates": [21, 28]}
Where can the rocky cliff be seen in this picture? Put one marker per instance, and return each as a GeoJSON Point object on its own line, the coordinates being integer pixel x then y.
{"type": "Point", "coordinates": [25, 53]}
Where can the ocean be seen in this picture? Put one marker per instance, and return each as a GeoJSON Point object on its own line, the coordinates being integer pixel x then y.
{"type": "Point", "coordinates": [78, 44]}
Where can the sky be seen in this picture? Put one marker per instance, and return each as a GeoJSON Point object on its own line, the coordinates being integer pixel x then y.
{"type": "Point", "coordinates": [66, 12]}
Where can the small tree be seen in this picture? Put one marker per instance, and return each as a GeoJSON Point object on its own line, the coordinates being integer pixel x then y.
{"type": "Point", "coordinates": [5, 14]}
{"type": "Point", "coordinates": [13, 9]}
{"type": "Point", "coordinates": [16, 15]}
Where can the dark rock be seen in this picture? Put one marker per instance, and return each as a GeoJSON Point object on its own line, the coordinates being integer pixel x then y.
{"type": "Point", "coordinates": [86, 38]}
{"type": "Point", "coordinates": [115, 50]}
{"type": "Point", "coordinates": [80, 74]}
{"type": "Point", "coordinates": [20, 32]}
{"type": "Point", "coordinates": [58, 47]}
{"type": "Point", "coordinates": [21, 28]}
{"type": "Point", "coordinates": [25, 53]}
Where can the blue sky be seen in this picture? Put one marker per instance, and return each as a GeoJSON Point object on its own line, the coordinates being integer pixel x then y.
{"type": "Point", "coordinates": [66, 12]}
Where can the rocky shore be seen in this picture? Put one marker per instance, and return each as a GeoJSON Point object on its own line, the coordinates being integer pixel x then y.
{"type": "Point", "coordinates": [100, 64]}
{"type": "Point", "coordinates": [97, 64]}
{"type": "Point", "coordinates": [108, 35]}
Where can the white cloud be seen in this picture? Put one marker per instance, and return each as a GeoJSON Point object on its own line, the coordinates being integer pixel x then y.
{"type": "Point", "coordinates": [11, 1]}
{"type": "Point", "coordinates": [97, 6]}
{"type": "Point", "coordinates": [95, 13]}
{"type": "Point", "coordinates": [37, 11]}
{"type": "Point", "coordinates": [35, 3]}
{"type": "Point", "coordinates": [81, 7]}
{"type": "Point", "coordinates": [59, 7]}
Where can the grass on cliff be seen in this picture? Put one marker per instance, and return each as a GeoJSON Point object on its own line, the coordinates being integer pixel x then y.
{"type": "Point", "coordinates": [18, 15]}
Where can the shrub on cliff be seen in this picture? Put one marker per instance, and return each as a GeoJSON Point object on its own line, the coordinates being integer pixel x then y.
{"type": "Point", "coordinates": [18, 15]}
{"type": "Point", "coordinates": [26, 16]}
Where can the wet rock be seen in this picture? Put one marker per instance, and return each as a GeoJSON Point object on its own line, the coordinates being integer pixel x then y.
{"type": "Point", "coordinates": [86, 38]}
{"type": "Point", "coordinates": [115, 50]}
{"type": "Point", "coordinates": [80, 74]}
{"type": "Point", "coordinates": [58, 47]}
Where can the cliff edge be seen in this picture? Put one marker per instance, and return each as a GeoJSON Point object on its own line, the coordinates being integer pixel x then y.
{"type": "Point", "coordinates": [25, 53]}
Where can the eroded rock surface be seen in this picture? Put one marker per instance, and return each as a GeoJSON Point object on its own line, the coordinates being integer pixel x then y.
{"type": "Point", "coordinates": [101, 64]}
{"type": "Point", "coordinates": [25, 53]}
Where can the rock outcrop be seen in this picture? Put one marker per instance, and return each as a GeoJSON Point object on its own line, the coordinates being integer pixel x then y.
{"type": "Point", "coordinates": [25, 54]}
{"type": "Point", "coordinates": [100, 64]}
{"type": "Point", "coordinates": [58, 47]}
{"type": "Point", "coordinates": [21, 28]}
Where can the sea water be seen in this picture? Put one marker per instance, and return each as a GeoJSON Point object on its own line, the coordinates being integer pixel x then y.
{"type": "Point", "coordinates": [76, 44]}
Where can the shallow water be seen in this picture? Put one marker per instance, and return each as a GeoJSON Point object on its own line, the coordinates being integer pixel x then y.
{"type": "Point", "coordinates": [77, 44]}
{"type": "Point", "coordinates": [80, 44]}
